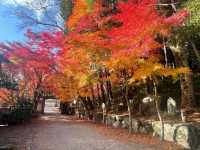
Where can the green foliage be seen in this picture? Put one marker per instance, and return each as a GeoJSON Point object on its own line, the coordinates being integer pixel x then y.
{"type": "Point", "coordinates": [65, 9]}
{"type": "Point", "coordinates": [90, 4]}
{"type": "Point", "coordinates": [191, 30]}
{"type": "Point", "coordinates": [193, 25]}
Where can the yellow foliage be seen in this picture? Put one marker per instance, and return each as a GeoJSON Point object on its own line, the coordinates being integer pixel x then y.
{"type": "Point", "coordinates": [14, 60]}
{"type": "Point", "coordinates": [152, 69]}
{"type": "Point", "coordinates": [84, 92]}
{"type": "Point", "coordinates": [64, 86]}
{"type": "Point", "coordinates": [80, 9]}
{"type": "Point", "coordinates": [4, 95]}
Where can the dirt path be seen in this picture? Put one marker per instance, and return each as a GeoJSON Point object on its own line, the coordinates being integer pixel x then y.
{"type": "Point", "coordinates": [57, 132]}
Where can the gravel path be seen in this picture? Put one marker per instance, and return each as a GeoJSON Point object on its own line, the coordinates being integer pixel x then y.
{"type": "Point", "coordinates": [57, 132]}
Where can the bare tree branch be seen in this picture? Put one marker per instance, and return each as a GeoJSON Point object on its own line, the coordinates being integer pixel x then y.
{"type": "Point", "coordinates": [46, 7]}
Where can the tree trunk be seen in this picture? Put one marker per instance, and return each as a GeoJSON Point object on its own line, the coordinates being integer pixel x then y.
{"type": "Point", "coordinates": [102, 92]}
{"type": "Point", "coordinates": [130, 118]}
{"type": "Point", "coordinates": [158, 111]}
{"type": "Point", "coordinates": [109, 94]}
{"type": "Point", "coordinates": [196, 51]}
{"type": "Point", "coordinates": [35, 100]}
{"type": "Point", "coordinates": [187, 92]}
{"type": "Point", "coordinates": [129, 107]}
{"type": "Point", "coordinates": [98, 93]}
{"type": "Point", "coordinates": [165, 52]}
{"type": "Point", "coordinates": [92, 92]}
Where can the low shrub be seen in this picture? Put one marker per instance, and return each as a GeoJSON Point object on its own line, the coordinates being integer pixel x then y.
{"type": "Point", "coordinates": [19, 113]}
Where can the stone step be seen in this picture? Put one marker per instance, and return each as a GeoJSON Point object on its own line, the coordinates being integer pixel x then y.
{"type": "Point", "coordinates": [194, 117]}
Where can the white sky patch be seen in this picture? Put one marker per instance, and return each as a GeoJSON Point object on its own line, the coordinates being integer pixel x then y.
{"type": "Point", "coordinates": [59, 19]}
{"type": "Point", "coordinates": [14, 2]}
{"type": "Point", "coordinates": [36, 5]}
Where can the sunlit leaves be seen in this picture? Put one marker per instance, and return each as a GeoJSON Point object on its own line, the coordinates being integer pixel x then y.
{"type": "Point", "coordinates": [125, 43]}
{"type": "Point", "coordinates": [4, 94]}
{"type": "Point", "coordinates": [32, 62]}
{"type": "Point", "coordinates": [80, 8]}
{"type": "Point", "coordinates": [148, 69]}
{"type": "Point", "coordinates": [191, 29]}
{"type": "Point", "coordinates": [64, 86]}
{"type": "Point", "coordinates": [138, 19]}
{"type": "Point", "coordinates": [135, 51]}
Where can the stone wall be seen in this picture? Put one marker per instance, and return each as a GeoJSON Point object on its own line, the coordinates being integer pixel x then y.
{"type": "Point", "coordinates": [98, 117]}
{"type": "Point", "coordinates": [185, 134]}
